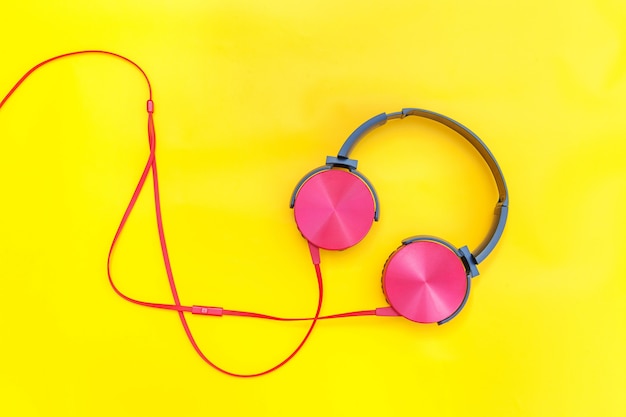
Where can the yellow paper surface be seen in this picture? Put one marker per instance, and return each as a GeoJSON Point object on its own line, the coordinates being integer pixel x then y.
{"type": "Point", "coordinates": [249, 97]}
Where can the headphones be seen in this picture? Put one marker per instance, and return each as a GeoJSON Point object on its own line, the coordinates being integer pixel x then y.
{"type": "Point", "coordinates": [426, 280]}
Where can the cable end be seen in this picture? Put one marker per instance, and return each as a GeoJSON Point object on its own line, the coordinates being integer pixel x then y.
{"type": "Point", "coordinates": [386, 312]}
{"type": "Point", "coordinates": [315, 253]}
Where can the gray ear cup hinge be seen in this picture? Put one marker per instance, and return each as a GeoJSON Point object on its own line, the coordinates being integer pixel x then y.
{"type": "Point", "coordinates": [338, 161]}
{"type": "Point", "coordinates": [469, 261]}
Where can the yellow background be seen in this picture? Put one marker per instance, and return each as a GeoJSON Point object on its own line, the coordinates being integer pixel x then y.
{"type": "Point", "coordinates": [250, 95]}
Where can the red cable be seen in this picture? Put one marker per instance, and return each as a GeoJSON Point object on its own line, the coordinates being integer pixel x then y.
{"type": "Point", "coordinates": [41, 64]}
{"type": "Point", "coordinates": [151, 165]}
{"type": "Point", "coordinates": [275, 318]}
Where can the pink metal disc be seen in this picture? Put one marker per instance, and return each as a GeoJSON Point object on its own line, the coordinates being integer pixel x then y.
{"type": "Point", "coordinates": [425, 281]}
{"type": "Point", "coordinates": [334, 209]}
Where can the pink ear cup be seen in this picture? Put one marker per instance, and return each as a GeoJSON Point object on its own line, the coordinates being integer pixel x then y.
{"type": "Point", "coordinates": [425, 281]}
{"type": "Point", "coordinates": [334, 209]}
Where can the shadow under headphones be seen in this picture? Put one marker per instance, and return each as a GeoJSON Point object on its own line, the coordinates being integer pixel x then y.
{"type": "Point", "coordinates": [426, 280]}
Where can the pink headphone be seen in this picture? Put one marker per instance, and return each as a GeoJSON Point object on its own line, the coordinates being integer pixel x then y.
{"type": "Point", "coordinates": [425, 280]}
